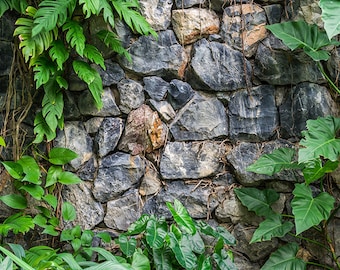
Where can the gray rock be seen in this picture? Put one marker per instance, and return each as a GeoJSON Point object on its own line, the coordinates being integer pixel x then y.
{"type": "Point", "coordinates": [151, 182]}
{"type": "Point", "coordinates": [122, 212]}
{"type": "Point", "coordinates": [87, 105]}
{"type": "Point", "coordinates": [157, 13]}
{"type": "Point", "coordinates": [203, 118]}
{"type": "Point", "coordinates": [89, 212]}
{"type": "Point", "coordinates": [6, 53]}
{"type": "Point", "coordinates": [245, 154]}
{"type": "Point", "coordinates": [243, 263]}
{"type": "Point", "coordinates": [333, 66]}
{"type": "Point", "coordinates": [75, 83]}
{"type": "Point", "coordinates": [164, 109]}
{"type": "Point", "coordinates": [252, 114]}
{"type": "Point", "coordinates": [92, 125]}
{"type": "Point", "coordinates": [116, 174]}
{"type": "Point", "coordinates": [131, 95]}
{"type": "Point", "coordinates": [302, 102]}
{"type": "Point", "coordinates": [188, 3]}
{"type": "Point", "coordinates": [156, 87]}
{"type": "Point", "coordinates": [273, 13]}
{"type": "Point", "coordinates": [271, 64]}
{"type": "Point", "coordinates": [306, 10]}
{"type": "Point", "coordinates": [113, 73]}
{"type": "Point", "coordinates": [255, 251]}
{"type": "Point", "coordinates": [75, 137]}
{"type": "Point", "coordinates": [108, 135]}
{"type": "Point", "coordinates": [71, 110]}
{"type": "Point", "coordinates": [165, 57]}
{"type": "Point", "coordinates": [179, 93]}
{"type": "Point", "coordinates": [191, 160]}
{"type": "Point", "coordinates": [88, 171]}
{"type": "Point", "coordinates": [7, 26]}
{"type": "Point", "coordinates": [215, 66]}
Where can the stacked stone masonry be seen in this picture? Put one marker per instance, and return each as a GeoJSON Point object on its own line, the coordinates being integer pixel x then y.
{"type": "Point", "coordinates": [188, 114]}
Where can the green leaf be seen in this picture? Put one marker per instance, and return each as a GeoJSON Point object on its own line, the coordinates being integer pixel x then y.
{"type": "Point", "coordinates": [14, 201]}
{"type": "Point", "coordinates": [104, 253]}
{"type": "Point", "coordinates": [271, 227]}
{"type": "Point", "coordinates": [105, 236]}
{"type": "Point", "coordinates": [86, 238]}
{"type": "Point", "coordinates": [68, 178]}
{"type": "Point", "coordinates": [31, 169]}
{"type": "Point", "coordinates": [14, 169]}
{"type": "Point", "coordinates": [320, 140]}
{"type": "Point", "coordinates": [17, 260]}
{"type": "Point", "coordinates": [76, 244]}
{"type": "Point", "coordinates": [309, 211]}
{"type": "Point", "coordinates": [314, 170]}
{"type": "Point", "coordinates": [18, 5]}
{"type": "Point", "coordinates": [6, 264]}
{"type": "Point", "coordinates": [181, 216]}
{"type": "Point", "coordinates": [40, 220]}
{"type": "Point", "coordinates": [75, 36]}
{"type": "Point", "coordinates": [257, 200]}
{"type": "Point", "coordinates": [224, 261]}
{"type": "Point", "coordinates": [53, 175]}
{"type": "Point", "coordinates": [36, 191]}
{"type": "Point", "coordinates": [61, 156]}
{"type": "Point", "coordinates": [59, 53]}
{"type": "Point", "coordinates": [50, 230]}
{"type": "Point", "coordinates": [51, 200]}
{"type": "Point", "coordinates": [219, 232]}
{"type": "Point", "coordinates": [94, 55]}
{"type": "Point", "coordinates": [68, 212]}
{"type": "Point", "coordinates": [43, 69]}
{"type": "Point", "coordinates": [204, 263]}
{"type": "Point", "coordinates": [17, 249]}
{"type": "Point", "coordinates": [2, 141]}
{"type": "Point", "coordinates": [269, 164]}
{"type": "Point", "coordinates": [140, 261]}
{"type": "Point", "coordinates": [162, 258]}
{"type": "Point", "coordinates": [19, 223]}
{"type": "Point", "coordinates": [69, 259]}
{"type": "Point", "coordinates": [156, 232]}
{"type": "Point", "coordinates": [285, 258]}
{"type": "Point", "coordinates": [42, 129]}
{"type": "Point", "coordinates": [127, 245]}
{"type": "Point", "coordinates": [66, 235]}
{"type": "Point", "coordinates": [110, 265]}
{"type": "Point", "coordinates": [299, 34]}
{"type": "Point", "coordinates": [196, 241]}
{"type": "Point", "coordinates": [62, 82]}
{"type": "Point", "coordinates": [139, 225]}
{"type": "Point", "coordinates": [330, 16]}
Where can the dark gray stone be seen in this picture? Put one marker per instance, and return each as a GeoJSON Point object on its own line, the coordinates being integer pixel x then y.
{"type": "Point", "coordinates": [89, 170]}
{"type": "Point", "coordinates": [156, 87]}
{"type": "Point", "coordinates": [71, 110]}
{"type": "Point", "coordinates": [131, 95]}
{"type": "Point", "coordinates": [75, 137]}
{"type": "Point", "coordinates": [89, 212]}
{"type": "Point", "coordinates": [191, 160]}
{"type": "Point", "coordinates": [252, 114]}
{"type": "Point", "coordinates": [277, 65]}
{"type": "Point", "coordinates": [333, 65]}
{"type": "Point", "coordinates": [108, 135]}
{"type": "Point", "coordinates": [179, 93]}
{"type": "Point", "coordinates": [165, 57]}
{"type": "Point", "coordinates": [273, 13]}
{"type": "Point", "coordinates": [245, 154]}
{"type": "Point", "coordinates": [87, 105]}
{"type": "Point", "coordinates": [6, 58]}
{"type": "Point", "coordinates": [188, 3]}
{"type": "Point", "coordinates": [113, 73]}
{"type": "Point", "coordinates": [164, 109]}
{"type": "Point", "coordinates": [203, 118]}
{"type": "Point", "coordinates": [7, 26]}
{"type": "Point", "coordinates": [304, 101]}
{"type": "Point", "coordinates": [116, 174]}
{"type": "Point", "coordinates": [157, 13]}
{"type": "Point", "coordinates": [215, 66]}
{"type": "Point", "coordinates": [92, 125]}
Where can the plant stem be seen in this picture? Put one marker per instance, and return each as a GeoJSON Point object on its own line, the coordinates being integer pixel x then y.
{"type": "Point", "coordinates": [327, 78]}
{"type": "Point", "coordinates": [320, 265]}
{"type": "Point", "coordinates": [311, 241]}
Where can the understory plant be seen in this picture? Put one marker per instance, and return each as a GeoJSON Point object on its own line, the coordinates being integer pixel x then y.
{"type": "Point", "coordinates": [318, 155]}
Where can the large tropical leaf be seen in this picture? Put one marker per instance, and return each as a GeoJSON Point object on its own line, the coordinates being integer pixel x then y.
{"type": "Point", "coordinates": [155, 232]}
{"type": "Point", "coordinates": [285, 259]}
{"type": "Point", "coordinates": [31, 169]}
{"type": "Point", "coordinates": [18, 5]}
{"type": "Point", "coordinates": [223, 261]}
{"type": "Point", "coordinates": [59, 53]}
{"type": "Point", "coordinates": [330, 16]}
{"type": "Point", "coordinates": [309, 211]}
{"type": "Point", "coordinates": [278, 160]}
{"type": "Point", "coordinates": [314, 169]}
{"type": "Point", "coordinates": [256, 200]}
{"type": "Point", "coordinates": [14, 201]}
{"type": "Point", "coordinates": [219, 232]}
{"type": "Point", "coordinates": [320, 140]}
{"type": "Point", "coordinates": [42, 129]}
{"type": "Point", "coordinates": [94, 55]}
{"type": "Point", "coordinates": [271, 227]}
{"type": "Point", "coordinates": [139, 225]}
{"type": "Point", "coordinates": [162, 258]}
{"type": "Point", "coordinates": [75, 36]}
{"type": "Point", "coordinates": [61, 156]}
{"type": "Point", "coordinates": [140, 261]}
{"type": "Point", "coordinates": [127, 245]}
{"type": "Point", "coordinates": [299, 34]}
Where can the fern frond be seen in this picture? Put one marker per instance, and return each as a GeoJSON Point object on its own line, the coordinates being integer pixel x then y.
{"type": "Point", "coordinates": [92, 79]}
{"type": "Point", "coordinates": [110, 40]}
{"type": "Point", "coordinates": [18, 5]}
{"type": "Point", "coordinates": [94, 7]}
{"type": "Point", "coordinates": [41, 129]}
{"type": "Point", "coordinates": [51, 14]}
{"type": "Point", "coordinates": [75, 36]}
{"type": "Point", "coordinates": [59, 53]}
{"type": "Point", "coordinates": [43, 69]}
{"type": "Point", "coordinates": [127, 10]}
{"type": "Point", "coordinates": [94, 55]}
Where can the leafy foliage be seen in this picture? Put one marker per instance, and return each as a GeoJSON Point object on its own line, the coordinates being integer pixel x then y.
{"type": "Point", "coordinates": [330, 16]}
{"type": "Point", "coordinates": [18, 5]}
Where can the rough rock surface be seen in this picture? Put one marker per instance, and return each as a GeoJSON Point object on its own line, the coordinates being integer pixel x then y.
{"type": "Point", "coordinates": [164, 109]}
{"type": "Point", "coordinates": [156, 87]}
{"type": "Point", "coordinates": [131, 95]}
{"type": "Point", "coordinates": [113, 73]}
{"type": "Point", "coordinates": [151, 182]}
{"type": "Point", "coordinates": [188, 3]}
{"type": "Point", "coordinates": [179, 93]}
{"type": "Point", "coordinates": [157, 13]}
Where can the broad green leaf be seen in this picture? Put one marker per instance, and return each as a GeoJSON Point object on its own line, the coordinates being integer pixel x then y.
{"type": "Point", "coordinates": [76, 231]}
{"type": "Point", "coordinates": [41, 129]}
{"type": "Point", "coordinates": [75, 36]}
{"type": "Point", "coordinates": [51, 200]}
{"type": "Point", "coordinates": [94, 55]}
{"type": "Point", "coordinates": [155, 232]}
{"type": "Point", "coordinates": [54, 221]}
{"type": "Point", "coordinates": [61, 156]}
{"type": "Point", "coordinates": [17, 249]}
{"type": "Point", "coordinates": [6, 264]}
{"type": "Point", "coordinates": [219, 232]}
{"type": "Point", "coordinates": [269, 164]}
{"type": "Point", "coordinates": [227, 237]}
{"type": "Point", "coordinates": [105, 236]}
{"type": "Point", "coordinates": [299, 34]}
{"type": "Point", "coordinates": [66, 235]}
{"type": "Point", "coordinates": [224, 261]}
{"type": "Point", "coordinates": [18, 5]}
{"type": "Point", "coordinates": [204, 263]}
{"type": "Point", "coordinates": [53, 175]}
{"type": "Point", "coordinates": [19, 223]}
{"type": "Point", "coordinates": [181, 216]}
{"type": "Point", "coordinates": [320, 140]}
{"type": "Point", "coordinates": [110, 265]}
{"type": "Point", "coordinates": [127, 245]}
{"type": "Point", "coordinates": [285, 258]}
{"type": "Point", "coordinates": [69, 259]}
{"type": "Point", "coordinates": [76, 244]}
{"type": "Point", "coordinates": [86, 238]}
{"type": "Point", "coordinates": [2, 141]}
{"type": "Point", "coordinates": [14, 201]}
{"type": "Point", "coordinates": [50, 230]}
{"type": "Point", "coordinates": [61, 82]}
{"type": "Point", "coordinates": [140, 261]}
{"type": "Point", "coordinates": [14, 169]}
{"type": "Point", "coordinates": [31, 169]}
{"type": "Point", "coordinates": [196, 241]}
{"type": "Point", "coordinates": [36, 191]}
{"type": "Point", "coordinates": [139, 225]}
{"type": "Point", "coordinates": [330, 16]}
{"type": "Point", "coordinates": [162, 258]}
{"type": "Point", "coordinates": [44, 211]}
{"type": "Point", "coordinates": [271, 227]}
{"type": "Point", "coordinates": [309, 211]}
{"type": "Point", "coordinates": [68, 178]}
{"type": "Point", "coordinates": [106, 254]}
{"type": "Point", "coordinates": [59, 53]}
{"type": "Point", "coordinates": [68, 212]}
{"type": "Point", "coordinates": [43, 69]}
{"type": "Point", "coordinates": [40, 220]}
{"type": "Point", "coordinates": [257, 200]}
{"type": "Point", "coordinates": [314, 169]}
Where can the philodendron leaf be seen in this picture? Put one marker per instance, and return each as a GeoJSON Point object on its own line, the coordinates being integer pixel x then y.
{"type": "Point", "coordinates": [314, 169]}
{"type": "Point", "coordinates": [320, 140]}
{"type": "Point", "coordinates": [68, 212]}
{"type": "Point", "coordinates": [219, 232]}
{"type": "Point", "coordinates": [162, 258]}
{"type": "Point", "coordinates": [299, 34]}
{"type": "Point", "coordinates": [155, 232]}
{"type": "Point", "coordinates": [181, 216]}
{"type": "Point", "coordinates": [14, 169]}
{"type": "Point", "coordinates": [139, 225]}
{"type": "Point", "coordinates": [285, 258]}
{"type": "Point", "coordinates": [127, 245]}
{"type": "Point", "coordinates": [224, 261]}
{"type": "Point", "coordinates": [274, 162]}
{"type": "Point", "coordinates": [14, 201]}
{"type": "Point", "coordinates": [330, 16]}
{"type": "Point", "coordinates": [140, 261]}
{"type": "Point", "coordinates": [257, 200]}
{"type": "Point", "coordinates": [61, 156]}
{"type": "Point", "coordinates": [31, 169]}
{"type": "Point", "coordinates": [309, 211]}
{"type": "Point", "coordinates": [204, 263]}
{"type": "Point", "coordinates": [271, 227]}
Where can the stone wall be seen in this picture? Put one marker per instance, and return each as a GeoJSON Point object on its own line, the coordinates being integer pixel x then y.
{"type": "Point", "coordinates": [187, 116]}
